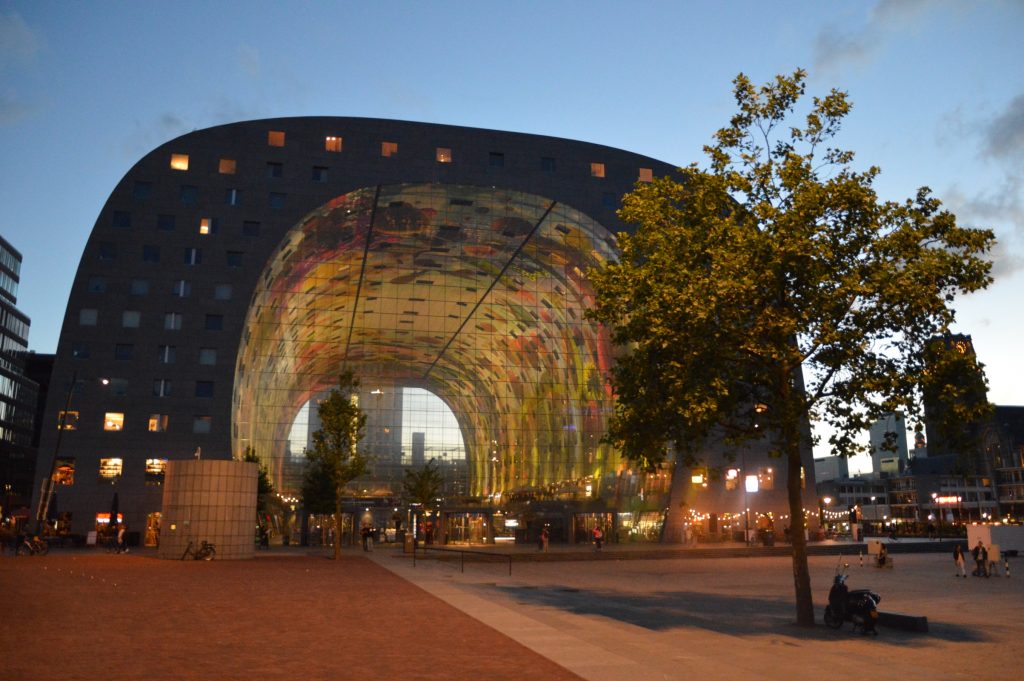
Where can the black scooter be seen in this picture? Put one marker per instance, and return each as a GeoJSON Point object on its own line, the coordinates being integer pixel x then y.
{"type": "Point", "coordinates": [859, 606]}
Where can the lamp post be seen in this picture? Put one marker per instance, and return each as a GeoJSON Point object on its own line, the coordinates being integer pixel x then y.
{"type": "Point", "coordinates": [46, 493]}
{"type": "Point", "coordinates": [937, 511]}
{"type": "Point", "coordinates": [874, 513]}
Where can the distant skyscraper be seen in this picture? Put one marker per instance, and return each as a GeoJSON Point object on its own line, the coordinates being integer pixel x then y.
{"type": "Point", "coordinates": [888, 437]}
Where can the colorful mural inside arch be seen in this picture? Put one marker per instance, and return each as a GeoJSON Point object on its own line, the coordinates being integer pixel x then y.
{"type": "Point", "coordinates": [474, 294]}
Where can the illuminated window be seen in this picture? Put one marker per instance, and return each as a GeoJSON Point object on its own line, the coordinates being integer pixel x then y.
{"type": "Point", "coordinates": [67, 420]}
{"type": "Point", "coordinates": [179, 161]}
{"type": "Point", "coordinates": [202, 424]}
{"type": "Point", "coordinates": [597, 170]}
{"type": "Point", "coordinates": [275, 138]}
{"type": "Point", "coordinates": [64, 471]}
{"type": "Point", "coordinates": [172, 321]}
{"type": "Point", "coordinates": [87, 316]}
{"type": "Point", "coordinates": [388, 149]}
{"type": "Point", "coordinates": [155, 471]}
{"type": "Point", "coordinates": [750, 484]}
{"type": "Point", "coordinates": [110, 469]}
{"type": "Point", "coordinates": [113, 420]}
{"type": "Point", "coordinates": [130, 319]}
{"type": "Point", "coordinates": [206, 226]}
{"type": "Point", "coordinates": [444, 155]}
{"type": "Point", "coordinates": [208, 356]}
{"type": "Point", "coordinates": [227, 166]}
{"type": "Point", "coordinates": [732, 478]}
{"type": "Point", "coordinates": [766, 478]}
{"type": "Point", "coordinates": [646, 175]}
{"type": "Point", "coordinates": [332, 144]}
{"type": "Point", "coordinates": [158, 423]}
{"type": "Point", "coordinates": [161, 387]}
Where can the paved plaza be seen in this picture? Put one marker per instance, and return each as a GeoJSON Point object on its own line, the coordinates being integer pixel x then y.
{"type": "Point", "coordinates": [293, 614]}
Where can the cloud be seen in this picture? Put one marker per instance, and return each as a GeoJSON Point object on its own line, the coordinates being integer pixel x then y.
{"type": "Point", "coordinates": [1004, 134]}
{"type": "Point", "coordinates": [12, 109]}
{"type": "Point", "coordinates": [249, 60]}
{"type": "Point", "coordinates": [18, 42]}
{"type": "Point", "coordinates": [837, 46]}
{"type": "Point", "coordinates": [1000, 209]}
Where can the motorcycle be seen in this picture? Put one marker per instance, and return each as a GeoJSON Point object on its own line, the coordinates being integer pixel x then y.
{"type": "Point", "coordinates": [859, 606]}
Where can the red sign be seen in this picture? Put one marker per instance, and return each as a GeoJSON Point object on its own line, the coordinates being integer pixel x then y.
{"type": "Point", "coordinates": [947, 500]}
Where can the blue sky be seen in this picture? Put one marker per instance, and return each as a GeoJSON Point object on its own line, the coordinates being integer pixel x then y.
{"type": "Point", "coordinates": [86, 89]}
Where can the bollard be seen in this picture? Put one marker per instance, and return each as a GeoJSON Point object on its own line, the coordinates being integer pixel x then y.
{"type": "Point", "coordinates": [862, 559]}
{"type": "Point", "coordinates": [1006, 567]}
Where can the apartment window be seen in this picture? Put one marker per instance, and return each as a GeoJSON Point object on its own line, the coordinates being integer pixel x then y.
{"type": "Point", "coordinates": [443, 155]}
{"type": "Point", "coordinates": [547, 164]}
{"type": "Point", "coordinates": [150, 253]}
{"type": "Point", "coordinates": [646, 175]}
{"type": "Point", "coordinates": [275, 138]}
{"type": "Point", "coordinates": [162, 387]}
{"type": "Point", "coordinates": [189, 195]}
{"type": "Point", "coordinates": [250, 228]}
{"type": "Point", "coordinates": [156, 469]}
{"type": "Point", "coordinates": [158, 423]}
{"type": "Point", "coordinates": [96, 285]}
{"type": "Point", "coordinates": [732, 479]}
{"type": "Point", "coordinates": [214, 322]}
{"type": "Point", "coordinates": [113, 420]}
{"type": "Point", "coordinates": [227, 166]}
{"type": "Point", "coordinates": [232, 197]}
{"type": "Point", "coordinates": [233, 258]}
{"type": "Point", "coordinates": [124, 352]}
{"type": "Point", "coordinates": [388, 149]}
{"type": "Point", "coordinates": [67, 420]}
{"type": "Point", "coordinates": [222, 292]}
{"type": "Point", "coordinates": [181, 288]}
{"type": "Point", "coordinates": [121, 220]}
{"type": "Point", "coordinates": [80, 350]}
{"type": "Point", "coordinates": [766, 478]}
{"type": "Point", "coordinates": [108, 251]}
{"type": "Point", "coordinates": [277, 200]}
{"type": "Point", "coordinates": [139, 287]}
{"type": "Point", "coordinates": [64, 471]}
{"type": "Point", "coordinates": [172, 321]}
{"type": "Point", "coordinates": [165, 354]}
{"type": "Point", "coordinates": [110, 469]}
{"type": "Point", "coordinates": [165, 223]}
{"type": "Point", "coordinates": [204, 388]}
{"type": "Point", "coordinates": [207, 226]}
{"type": "Point", "coordinates": [87, 316]}
{"type": "Point", "coordinates": [332, 143]}
{"type": "Point", "coordinates": [193, 256]}
{"type": "Point", "coordinates": [275, 170]}
{"type": "Point", "coordinates": [179, 161]}
{"type": "Point", "coordinates": [130, 319]}
{"type": "Point", "coordinates": [597, 170]}
{"type": "Point", "coordinates": [142, 190]}
{"type": "Point", "coordinates": [208, 356]}
{"type": "Point", "coordinates": [320, 174]}
{"type": "Point", "coordinates": [496, 159]}
{"type": "Point", "coordinates": [202, 424]}
{"type": "Point", "coordinates": [609, 200]}
{"type": "Point", "coordinates": [118, 387]}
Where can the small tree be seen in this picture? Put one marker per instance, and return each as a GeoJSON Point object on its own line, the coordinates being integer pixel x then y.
{"type": "Point", "coordinates": [422, 486]}
{"type": "Point", "coordinates": [778, 258]}
{"type": "Point", "coordinates": [335, 459]}
{"type": "Point", "coordinates": [264, 485]}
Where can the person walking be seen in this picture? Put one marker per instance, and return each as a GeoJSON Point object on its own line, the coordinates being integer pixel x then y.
{"type": "Point", "coordinates": [958, 559]}
{"type": "Point", "coordinates": [545, 537]}
{"type": "Point", "coordinates": [122, 547]}
{"type": "Point", "coordinates": [598, 537]}
{"type": "Point", "coordinates": [980, 555]}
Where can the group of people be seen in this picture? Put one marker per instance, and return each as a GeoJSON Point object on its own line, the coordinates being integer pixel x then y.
{"type": "Point", "coordinates": [985, 563]}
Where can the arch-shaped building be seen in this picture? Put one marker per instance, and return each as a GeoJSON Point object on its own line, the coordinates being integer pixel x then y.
{"type": "Point", "coordinates": [234, 271]}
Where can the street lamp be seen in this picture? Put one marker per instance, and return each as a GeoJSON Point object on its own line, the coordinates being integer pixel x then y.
{"type": "Point", "coordinates": [937, 511]}
{"type": "Point", "coordinates": [874, 513]}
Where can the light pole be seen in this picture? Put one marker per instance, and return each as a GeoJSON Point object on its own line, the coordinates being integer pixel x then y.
{"type": "Point", "coordinates": [937, 511]}
{"type": "Point", "coordinates": [874, 513]}
{"type": "Point", "coordinates": [46, 493]}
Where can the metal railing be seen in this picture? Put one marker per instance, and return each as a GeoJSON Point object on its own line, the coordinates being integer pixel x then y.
{"type": "Point", "coordinates": [462, 555]}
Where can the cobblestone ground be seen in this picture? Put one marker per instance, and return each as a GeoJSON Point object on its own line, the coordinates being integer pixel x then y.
{"type": "Point", "coordinates": [92, 616]}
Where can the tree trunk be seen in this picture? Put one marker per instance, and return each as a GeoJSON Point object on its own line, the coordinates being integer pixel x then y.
{"type": "Point", "coordinates": [337, 527]}
{"type": "Point", "coordinates": [797, 525]}
{"type": "Point", "coordinates": [672, 528]}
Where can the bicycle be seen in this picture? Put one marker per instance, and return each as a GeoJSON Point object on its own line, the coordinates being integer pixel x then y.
{"type": "Point", "coordinates": [33, 546]}
{"type": "Point", "coordinates": [206, 551]}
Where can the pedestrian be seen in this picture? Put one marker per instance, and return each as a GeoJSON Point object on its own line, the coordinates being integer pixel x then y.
{"type": "Point", "coordinates": [980, 555]}
{"type": "Point", "coordinates": [122, 547]}
{"type": "Point", "coordinates": [545, 537]}
{"type": "Point", "coordinates": [958, 558]}
{"type": "Point", "coordinates": [364, 534]}
{"type": "Point", "coordinates": [598, 537]}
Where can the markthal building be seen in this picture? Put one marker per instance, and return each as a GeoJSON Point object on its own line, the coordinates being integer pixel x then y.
{"type": "Point", "coordinates": [234, 272]}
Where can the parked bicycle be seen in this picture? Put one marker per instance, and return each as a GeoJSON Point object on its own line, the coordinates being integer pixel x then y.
{"type": "Point", "coordinates": [204, 551]}
{"type": "Point", "coordinates": [33, 546]}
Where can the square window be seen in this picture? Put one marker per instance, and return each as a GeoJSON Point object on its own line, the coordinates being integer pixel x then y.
{"type": "Point", "coordinates": [275, 169]}
{"type": "Point", "coordinates": [547, 164]}
{"type": "Point", "coordinates": [204, 388]}
{"type": "Point", "coordinates": [165, 223]}
{"type": "Point", "coordinates": [158, 423]}
{"type": "Point", "coordinates": [142, 190]}
{"type": "Point", "coordinates": [443, 155]}
{"type": "Point", "coordinates": [121, 220]}
{"type": "Point", "coordinates": [227, 166]}
{"type": "Point", "coordinates": [172, 321]}
{"type": "Point", "coordinates": [208, 356]}
{"type": "Point", "coordinates": [193, 256]}
{"type": "Point", "coordinates": [118, 387]}
{"type": "Point", "coordinates": [233, 197]}
{"type": "Point", "coordinates": [64, 471]}
{"type": "Point", "coordinates": [96, 285]}
{"type": "Point", "coordinates": [87, 316]}
{"type": "Point", "coordinates": [139, 287]}
{"type": "Point", "coordinates": [80, 350]}
{"type": "Point", "coordinates": [250, 228]}
{"type": "Point", "coordinates": [110, 469]}
{"type": "Point", "coordinates": [67, 420]}
{"type": "Point", "coordinates": [320, 174]}
{"type": "Point", "coordinates": [496, 159]}
{"type": "Point", "coordinates": [214, 322]}
{"type": "Point", "coordinates": [124, 352]}
{"type": "Point", "coordinates": [222, 292]}
{"type": "Point", "coordinates": [275, 138]}
{"type": "Point", "coordinates": [332, 143]}
{"type": "Point", "coordinates": [597, 170]}
{"type": "Point", "coordinates": [113, 420]}
{"type": "Point", "coordinates": [388, 149]}
{"type": "Point", "coordinates": [181, 288]}
{"type": "Point", "coordinates": [609, 200]}
{"type": "Point", "coordinates": [130, 319]}
{"type": "Point", "coordinates": [162, 387]}
{"type": "Point", "coordinates": [150, 253]}
{"type": "Point", "coordinates": [179, 161]}
{"type": "Point", "coordinates": [208, 226]}
{"type": "Point", "coordinates": [189, 195]}
{"type": "Point", "coordinates": [646, 175]}
{"type": "Point", "coordinates": [234, 258]}
{"type": "Point", "coordinates": [277, 200]}
{"type": "Point", "coordinates": [165, 354]}
{"type": "Point", "coordinates": [156, 469]}
{"type": "Point", "coordinates": [202, 424]}
{"type": "Point", "coordinates": [107, 250]}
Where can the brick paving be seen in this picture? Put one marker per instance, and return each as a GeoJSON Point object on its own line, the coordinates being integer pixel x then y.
{"type": "Point", "coordinates": [86, 615]}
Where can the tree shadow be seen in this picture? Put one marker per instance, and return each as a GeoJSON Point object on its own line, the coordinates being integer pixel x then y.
{"type": "Point", "coordinates": [733, 615]}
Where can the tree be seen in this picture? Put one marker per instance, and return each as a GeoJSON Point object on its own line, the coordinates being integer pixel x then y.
{"type": "Point", "coordinates": [776, 260]}
{"type": "Point", "coordinates": [264, 485]}
{"type": "Point", "coordinates": [422, 486]}
{"type": "Point", "coordinates": [335, 459]}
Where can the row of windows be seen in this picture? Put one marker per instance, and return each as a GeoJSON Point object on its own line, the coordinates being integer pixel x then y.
{"type": "Point", "coordinates": [132, 319]}
{"type": "Point", "coordinates": [188, 195]}
{"type": "Point", "coordinates": [180, 288]}
{"type": "Point", "coordinates": [107, 250]}
{"type": "Point", "coordinates": [121, 219]}
{"type": "Point", "coordinates": [165, 354]}
{"type": "Point", "coordinates": [335, 144]}
{"type": "Point", "coordinates": [113, 421]}
{"type": "Point", "coordinates": [110, 470]}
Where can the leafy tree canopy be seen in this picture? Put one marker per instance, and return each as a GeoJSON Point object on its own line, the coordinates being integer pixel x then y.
{"type": "Point", "coordinates": [424, 485]}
